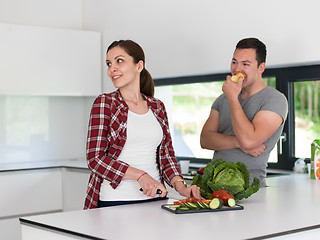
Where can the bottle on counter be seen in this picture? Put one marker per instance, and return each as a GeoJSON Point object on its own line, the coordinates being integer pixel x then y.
{"type": "Point", "coordinates": [300, 166]}
{"type": "Point", "coordinates": [315, 159]}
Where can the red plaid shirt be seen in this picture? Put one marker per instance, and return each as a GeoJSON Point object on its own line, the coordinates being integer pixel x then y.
{"type": "Point", "coordinates": [107, 134]}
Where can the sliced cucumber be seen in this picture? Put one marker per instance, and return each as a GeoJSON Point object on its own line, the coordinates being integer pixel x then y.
{"type": "Point", "coordinates": [185, 205]}
{"type": "Point", "coordinates": [184, 208]}
{"type": "Point", "coordinates": [200, 205]}
{"type": "Point", "coordinates": [189, 205]}
{"type": "Point", "coordinates": [193, 205]}
{"type": "Point", "coordinates": [231, 202]}
{"type": "Point", "coordinates": [206, 206]}
{"type": "Point", "coordinates": [216, 203]}
{"type": "Point", "coordinates": [174, 206]}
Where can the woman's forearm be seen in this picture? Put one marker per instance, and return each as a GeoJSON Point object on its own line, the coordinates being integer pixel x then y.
{"type": "Point", "coordinates": [133, 173]}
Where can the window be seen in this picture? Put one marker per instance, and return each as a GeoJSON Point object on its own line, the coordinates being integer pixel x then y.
{"type": "Point", "coordinates": [190, 110]}
{"type": "Point", "coordinates": [307, 116]}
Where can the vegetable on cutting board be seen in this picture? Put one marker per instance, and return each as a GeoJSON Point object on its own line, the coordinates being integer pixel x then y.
{"type": "Point", "coordinates": [201, 170]}
{"type": "Point", "coordinates": [216, 203]}
{"type": "Point", "coordinates": [196, 204]}
{"type": "Point", "coordinates": [228, 199]}
{"type": "Point", "coordinates": [222, 175]}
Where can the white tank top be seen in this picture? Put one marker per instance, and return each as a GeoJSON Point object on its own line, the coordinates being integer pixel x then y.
{"type": "Point", "coordinates": [144, 134]}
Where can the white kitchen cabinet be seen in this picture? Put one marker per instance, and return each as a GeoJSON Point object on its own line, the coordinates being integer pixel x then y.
{"type": "Point", "coordinates": [49, 61]}
{"type": "Point", "coordinates": [27, 192]}
{"type": "Point", "coordinates": [30, 192]}
{"type": "Point", "coordinates": [38, 191]}
{"type": "Point", "coordinates": [75, 183]}
{"type": "Point", "coordinates": [10, 229]}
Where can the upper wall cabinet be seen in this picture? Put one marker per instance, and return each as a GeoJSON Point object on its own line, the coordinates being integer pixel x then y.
{"type": "Point", "coordinates": [49, 61]}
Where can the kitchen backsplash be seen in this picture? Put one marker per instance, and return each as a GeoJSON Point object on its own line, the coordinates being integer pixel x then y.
{"type": "Point", "coordinates": [40, 128]}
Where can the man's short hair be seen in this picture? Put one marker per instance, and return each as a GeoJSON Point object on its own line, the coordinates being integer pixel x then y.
{"type": "Point", "coordinates": [260, 47]}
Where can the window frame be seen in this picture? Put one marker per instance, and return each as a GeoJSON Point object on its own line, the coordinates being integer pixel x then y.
{"type": "Point", "coordinates": [285, 78]}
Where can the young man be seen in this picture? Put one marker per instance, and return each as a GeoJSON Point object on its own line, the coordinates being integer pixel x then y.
{"type": "Point", "coordinates": [246, 121]}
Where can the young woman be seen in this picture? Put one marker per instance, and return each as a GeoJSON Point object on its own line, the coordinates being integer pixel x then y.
{"type": "Point", "coordinates": [129, 147]}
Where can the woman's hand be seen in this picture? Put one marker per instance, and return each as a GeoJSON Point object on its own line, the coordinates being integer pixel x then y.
{"type": "Point", "coordinates": [150, 186]}
{"type": "Point", "coordinates": [179, 185]}
{"type": "Point", "coordinates": [192, 191]}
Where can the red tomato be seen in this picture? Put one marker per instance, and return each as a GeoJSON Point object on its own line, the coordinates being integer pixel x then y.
{"type": "Point", "coordinates": [223, 195]}
{"type": "Point", "coordinates": [190, 199]}
{"type": "Point", "coordinates": [183, 200]}
{"type": "Point", "coordinates": [205, 201]}
{"type": "Point", "coordinates": [195, 199]}
{"type": "Point", "coordinates": [201, 170]}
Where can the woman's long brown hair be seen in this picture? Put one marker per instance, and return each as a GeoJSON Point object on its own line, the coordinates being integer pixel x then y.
{"type": "Point", "coordinates": [135, 51]}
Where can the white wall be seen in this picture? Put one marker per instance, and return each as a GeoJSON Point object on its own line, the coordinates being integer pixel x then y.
{"type": "Point", "coordinates": [186, 37]}
{"type": "Point", "coordinates": [45, 13]}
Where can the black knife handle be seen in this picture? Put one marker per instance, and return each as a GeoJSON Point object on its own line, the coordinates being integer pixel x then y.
{"type": "Point", "coordinates": [158, 191]}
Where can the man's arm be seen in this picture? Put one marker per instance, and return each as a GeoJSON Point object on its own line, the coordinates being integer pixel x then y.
{"type": "Point", "coordinates": [265, 123]}
{"type": "Point", "coordinates": [250, 134]}
{"type": "Point", "coordinates": [211, 139]}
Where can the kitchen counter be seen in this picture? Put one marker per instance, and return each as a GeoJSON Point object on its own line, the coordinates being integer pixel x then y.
{"type": "Point", "coordinates": [289, 205]}
{"type": "Point", "coordinates": [32, 165]}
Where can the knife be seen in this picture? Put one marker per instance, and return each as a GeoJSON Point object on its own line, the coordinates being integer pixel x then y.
{"type": "Point", "coordinates": [158, 191]}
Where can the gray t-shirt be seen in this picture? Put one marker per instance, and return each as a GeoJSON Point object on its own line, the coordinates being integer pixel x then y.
{"type": "Point", "coordinates": [268, 99]}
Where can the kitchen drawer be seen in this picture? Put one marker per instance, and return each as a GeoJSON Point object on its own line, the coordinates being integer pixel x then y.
{"type": "Point", "coordinates": [30, 191]}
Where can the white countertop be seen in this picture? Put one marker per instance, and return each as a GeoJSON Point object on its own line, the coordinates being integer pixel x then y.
{"type": "Point", "coordinates": [29, 165]}
{"type": "Point", "coordinates": [289, 203]}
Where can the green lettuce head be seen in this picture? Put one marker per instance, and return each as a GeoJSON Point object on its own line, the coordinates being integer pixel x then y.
{"type": "Point", "coordinates": [229, 176]}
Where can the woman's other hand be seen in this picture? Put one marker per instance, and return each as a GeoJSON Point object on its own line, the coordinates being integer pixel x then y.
{"type": "Point", "coordinates": [150, 186]}
{"type": "Point", "coordinates": [180, 186]}
{"type": "Point", "coordinates": [192, 191]}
